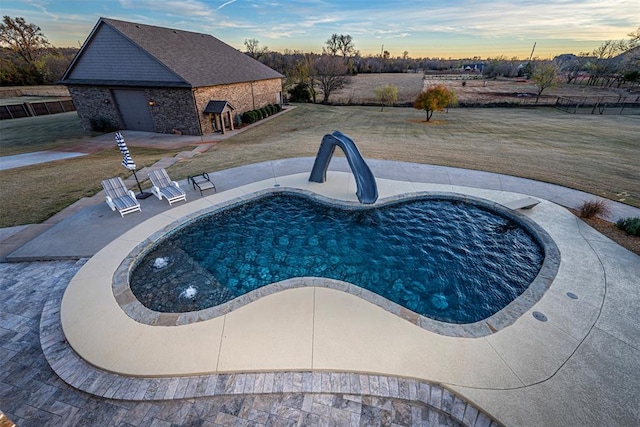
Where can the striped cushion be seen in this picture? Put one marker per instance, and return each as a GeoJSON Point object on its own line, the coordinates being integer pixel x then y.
{"type": "Point", "coordinates": [159, 178]}
{"type": "Point", "coordinates": [171, 192]}
{"type": "Point", "coordinates": [125, 202]}
{"type": "Point", "coordinates": [114, 187]}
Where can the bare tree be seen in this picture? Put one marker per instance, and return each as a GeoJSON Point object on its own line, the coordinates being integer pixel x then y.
{"type": "Point", "coordinates": [23, 38]}
{"type": "Point", "coordinates": [571, 66]}
{"type": "Point", "coordinates": [634, 39]}
{"type": "Point", "coordinates": [254, 49]}
{"type": "Point", "coordinates": [346, 45]}
{"type": "Point", "coordinates": [602, 67]}
{"type": "Point", "coordinates": [333, 45]}
{"type": "Point", "coordinates": [340, 43]}
{"type": "Point", "coordinates": [332, 75]}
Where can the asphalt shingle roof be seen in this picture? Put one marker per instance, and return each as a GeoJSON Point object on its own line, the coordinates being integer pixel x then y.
{"type": "Point", "coordinates": [199, 59]}
{"type": "Point", "coordinates": [217, 107]}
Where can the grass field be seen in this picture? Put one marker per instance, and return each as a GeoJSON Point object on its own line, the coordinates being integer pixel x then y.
{"type": "Point", "coordinates": [597, 154]}
{"type": "Point", "coordinates": [361, 89]}
{"type": "Point", "coordinates": [31, 134]}
{"type": "Point", "coordinates": [32, 194]}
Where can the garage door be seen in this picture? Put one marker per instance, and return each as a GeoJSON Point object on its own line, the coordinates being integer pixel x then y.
{"type": "Point", "coordinates": [134, 109]}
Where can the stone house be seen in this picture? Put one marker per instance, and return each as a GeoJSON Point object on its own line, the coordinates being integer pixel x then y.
{"type": "Point", "coordinates": [141, 77]}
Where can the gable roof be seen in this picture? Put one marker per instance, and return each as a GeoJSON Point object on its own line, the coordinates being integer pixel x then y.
{"type": "Point", "coordinates": [135, 54]}
{"type": "Point", "coordinates": [217, 107]}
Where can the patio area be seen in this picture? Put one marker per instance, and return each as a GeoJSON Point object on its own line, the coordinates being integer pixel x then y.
{"type": "Point", "coordinates": [578, 368]}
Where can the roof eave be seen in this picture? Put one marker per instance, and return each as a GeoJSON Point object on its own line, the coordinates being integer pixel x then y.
{"type": "Point", "coordinates": [127, 83]}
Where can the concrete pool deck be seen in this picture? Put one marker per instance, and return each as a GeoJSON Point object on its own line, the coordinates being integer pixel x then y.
{"type": "Point", "coordinates": [319, 329]}
{"type": "Point", "coordinates": [578, 368]}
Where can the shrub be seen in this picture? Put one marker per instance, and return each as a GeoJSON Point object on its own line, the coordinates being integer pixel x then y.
{"type": "Point", "coordinates": [265, 112]}
{"type": "Point", "coordinates": [249, 117]}
{"type": "Point", "coordinates": [237, 120]}
{"type": "Point", "coordinates": [386, 95]}
{"type": "Point", "coordinates": [259, 114]}
{"type": "Point", "coordinates": [300, 93]}
{"type": "Point", "coordinates": [101, 124]}
{"type": "Point", "coordinates": [278, 107]}
{"type": "Point", "coordinates": [592, 208]}
{"type": "Point", "coordinates": [630, 225]}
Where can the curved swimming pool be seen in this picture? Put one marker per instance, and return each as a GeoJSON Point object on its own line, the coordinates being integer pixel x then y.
{"type": "Point", "coordinates": [445, 258]}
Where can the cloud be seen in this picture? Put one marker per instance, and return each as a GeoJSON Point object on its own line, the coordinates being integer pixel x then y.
{"type": "Point", "coordinates": [225, 4]}
{"type": "Point", "coordinates": [287, 23]}
{"type": "Point", "coordinates": [173, 8]}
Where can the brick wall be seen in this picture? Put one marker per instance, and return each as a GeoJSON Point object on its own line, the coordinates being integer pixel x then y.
{"type": "Point", "coordinates": [242, 96]}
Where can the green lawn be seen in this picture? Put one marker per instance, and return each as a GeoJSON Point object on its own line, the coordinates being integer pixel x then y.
{"type": "Point", "coordinates": [29, 134]}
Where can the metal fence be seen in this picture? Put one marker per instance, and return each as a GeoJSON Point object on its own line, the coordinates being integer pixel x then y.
{"type": "Point", "coordinates": [620, 105]}
{"type": "Point", "coordinates": [33, 109]}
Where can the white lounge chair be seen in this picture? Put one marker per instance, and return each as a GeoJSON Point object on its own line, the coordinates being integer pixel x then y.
{"type": "Point", "coordinates": [164, 187]}
{"type": "Point", "coordinates": [119, 197]}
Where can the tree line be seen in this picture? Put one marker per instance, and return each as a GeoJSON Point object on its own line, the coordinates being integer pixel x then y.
{"type": "Point", "coordinates": [27, 57]}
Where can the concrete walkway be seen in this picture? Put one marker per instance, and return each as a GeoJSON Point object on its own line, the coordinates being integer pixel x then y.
{"type": "Point", "coordinates": [15, 237]}
{"type": "Point", "coordinates": [20, 160]}
{"type": "Point", "coordinates": [63, 236]}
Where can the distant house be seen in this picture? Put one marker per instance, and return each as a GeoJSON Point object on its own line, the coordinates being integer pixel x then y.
{"type": "Point", "coordinates": [477, 67]}
{"type": "Point", "coordinates": [140, 77]}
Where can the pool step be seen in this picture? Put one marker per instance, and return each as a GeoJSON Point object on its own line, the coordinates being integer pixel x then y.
{"type": "Point", "coordinates": [171, 282]}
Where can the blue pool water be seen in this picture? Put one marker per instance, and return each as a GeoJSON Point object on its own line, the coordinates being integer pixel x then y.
{"type": "Point", "coordinates": [446, 259]}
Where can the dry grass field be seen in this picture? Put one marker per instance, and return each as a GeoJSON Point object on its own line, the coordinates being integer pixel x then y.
{"type": "Point", "coordinates": [475, 91]}
{"type": "Point", "coordinates": [362, 88]}
{"type": "Point", "coordinates": [597, 154]}
{"type": "Point", "coordinates": [479, 91]}
{"type": "Point", "coordinates": [594, 153]}
{"type": "Point", "coordinates": [29, 134]}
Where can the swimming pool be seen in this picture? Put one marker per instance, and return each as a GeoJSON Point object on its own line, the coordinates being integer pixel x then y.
{"type": "Point", "coordinates": [446, 258]}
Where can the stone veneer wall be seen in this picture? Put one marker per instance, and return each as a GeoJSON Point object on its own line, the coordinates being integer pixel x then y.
{"type": "Point", "coordinates": [174, 110]}
{"type": "Point", "coordinates": [242, 96]}
{"type": "Point", "coordinates": [91, 103]}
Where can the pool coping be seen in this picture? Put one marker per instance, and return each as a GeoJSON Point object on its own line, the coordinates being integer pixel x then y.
{"type": "Point", "coordinates": [501, 319]}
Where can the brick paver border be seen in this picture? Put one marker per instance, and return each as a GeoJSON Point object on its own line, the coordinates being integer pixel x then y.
{"type": "Point", "coordinates": [74, 371]}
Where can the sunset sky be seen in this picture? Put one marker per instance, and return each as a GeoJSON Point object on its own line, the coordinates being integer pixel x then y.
{"type": "Point", "coordinates": [432, 28]}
